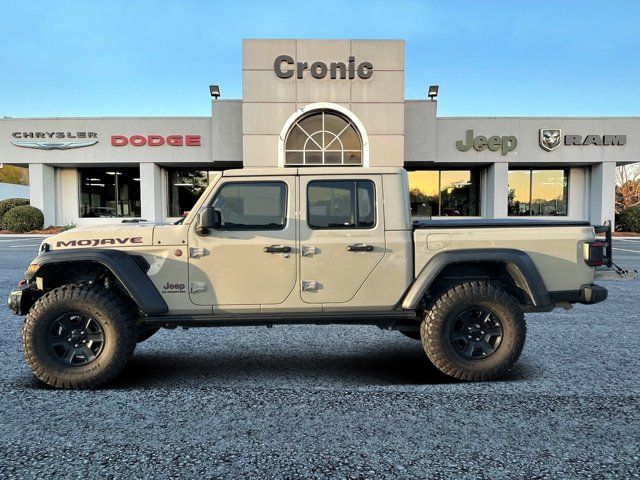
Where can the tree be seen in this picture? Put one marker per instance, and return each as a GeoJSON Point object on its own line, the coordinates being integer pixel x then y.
{"type": "Point", "coordinates": [627, 186]}
{"type": "Point", "coordinates": [13, 174]}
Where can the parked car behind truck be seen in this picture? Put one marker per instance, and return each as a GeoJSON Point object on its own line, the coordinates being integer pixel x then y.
{"type": "Point", "coordinates": [303, 246]}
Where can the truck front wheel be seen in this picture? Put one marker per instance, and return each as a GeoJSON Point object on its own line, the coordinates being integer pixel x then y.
{"type": "Point", "coordinates": [473, 331]}
{"type": "Point", "coordinates": [78, 336]}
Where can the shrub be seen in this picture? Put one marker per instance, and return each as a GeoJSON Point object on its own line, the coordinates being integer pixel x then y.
{"type": "Point", "coordinates": [9, 203]}
{"type": "Point", "coordinates": [23, 218]}
{"type": "Point", "coordinates": [630, 218]}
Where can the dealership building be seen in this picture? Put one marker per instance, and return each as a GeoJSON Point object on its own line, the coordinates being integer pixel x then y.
{"type": "Point", "coordinates": [323, 102]}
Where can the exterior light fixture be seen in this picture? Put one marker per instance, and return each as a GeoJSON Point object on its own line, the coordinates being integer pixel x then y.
{"type": "Point", "coordinates": [432, 93]}
{"type": "Point", "coordinates": [214, 90]}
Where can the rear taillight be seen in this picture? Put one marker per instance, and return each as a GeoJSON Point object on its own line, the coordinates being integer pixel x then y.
{"type": "Point", "coordinates": [595, 253]}
{"type": "Point", "coordinates": [600, 251]}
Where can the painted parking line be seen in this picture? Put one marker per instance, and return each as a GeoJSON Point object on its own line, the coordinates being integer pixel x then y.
{"type": "Point", "coordinates": [626, 250]}
{"type": "Point", "coordinates": [24, 246]}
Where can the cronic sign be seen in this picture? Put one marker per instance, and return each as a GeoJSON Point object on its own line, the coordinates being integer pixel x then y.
{"type": "Point", "coordinates": [285, 66]}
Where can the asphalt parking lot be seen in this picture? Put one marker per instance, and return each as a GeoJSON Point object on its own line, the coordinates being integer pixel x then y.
{"type": "Point", "coordinates": [336, 401]}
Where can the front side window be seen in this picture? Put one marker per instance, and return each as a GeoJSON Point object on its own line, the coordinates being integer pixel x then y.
{"type": "Point", "coordinates": [341, 204]}
{"type": "Point", "coordinates": [538, 193]}
{"type": "Point", "coordinates": [106, 192]}
{"type": "Point", "coordinates": [323, 138]}
{"type": "Point", "coordinates": [252, 206]}
{"type": "Point", "coordinates": [186, 185]}
{"type": "Point", "coordinates": [446, 193]}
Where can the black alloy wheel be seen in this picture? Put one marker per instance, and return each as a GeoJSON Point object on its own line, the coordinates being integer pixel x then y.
{"type": "Point", "coordinates": [76, 339]}
{"type": "Point", "coordinates": [476, 333]}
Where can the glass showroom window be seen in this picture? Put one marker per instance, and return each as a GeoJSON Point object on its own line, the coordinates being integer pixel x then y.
{"type": "Point", "coordinates": [109, 193]}
{"type": "Point", "coordinates": [538, 192]}
{"type": "Point", "coordinates": [185, 187]}
{"type": "Point", "coordinates": [447, 193]}
{"type": "Point", "coordinates": [323, 138]}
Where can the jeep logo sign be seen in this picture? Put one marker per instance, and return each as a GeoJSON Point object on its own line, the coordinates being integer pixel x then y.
{"type": "Point", "coordinates": [504, 144]}
{"type": "Point", "coordinates": [284, 67]}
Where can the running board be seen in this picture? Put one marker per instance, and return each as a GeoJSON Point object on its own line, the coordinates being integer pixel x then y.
{"type": "Point", "coordinates": [386, 319]}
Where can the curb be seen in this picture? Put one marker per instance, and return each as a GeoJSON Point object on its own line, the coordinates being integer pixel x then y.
{"type": "Point", "coordinates": [14, 236]}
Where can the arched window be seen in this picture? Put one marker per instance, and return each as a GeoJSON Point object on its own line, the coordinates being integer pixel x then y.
{"type": "Point", "coordinates": [323, 137]}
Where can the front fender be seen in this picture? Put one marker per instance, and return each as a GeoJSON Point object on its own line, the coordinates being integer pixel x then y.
{"type": "Point", "coordinates": [122, 265]}
{"type": "Point", "coordinates": [519, 265]}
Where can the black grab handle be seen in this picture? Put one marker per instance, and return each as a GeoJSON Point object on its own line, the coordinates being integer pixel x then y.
{"type": "Point", "coordinates": [360, 247]}
{"type": "Point", "coordinates": [277, 249]}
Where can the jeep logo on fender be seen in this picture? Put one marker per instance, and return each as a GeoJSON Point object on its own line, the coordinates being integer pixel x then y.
{"type": "Point", "coordinates": [505, 143]}
{"type": "Point", "coordinates": [173, 287]}
{"type": "Point", "coordinates": [98, 241]}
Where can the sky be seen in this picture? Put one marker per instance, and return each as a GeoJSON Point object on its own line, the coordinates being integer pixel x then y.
{"type": "Point", "coordinates": [156, 58]}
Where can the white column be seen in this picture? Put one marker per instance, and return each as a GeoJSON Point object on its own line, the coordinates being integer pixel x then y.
{"type": "Point", "coordinates": [578, 193]}
{"type": "Point", "coordinates": [151, 192]}
{"type": "Point", "coordinates": [496, 190]}
{"type": "Point", "coordinates": [603, 193]}
{"type": "Point", "coordinates": [42, 191]}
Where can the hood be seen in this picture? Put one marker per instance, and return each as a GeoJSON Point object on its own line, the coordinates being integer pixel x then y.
{"type": "Point", "coordinates": [104, 236]}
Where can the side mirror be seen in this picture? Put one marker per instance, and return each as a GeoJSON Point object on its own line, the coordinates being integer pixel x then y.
{"type": "Point", "coordinates": [207, 219]}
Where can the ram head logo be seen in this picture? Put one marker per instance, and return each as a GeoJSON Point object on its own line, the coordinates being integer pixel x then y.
{"type": "Point", "coordinates": [550, 138]}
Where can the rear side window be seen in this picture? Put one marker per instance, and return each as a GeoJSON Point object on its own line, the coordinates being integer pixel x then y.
{"type": "Point", "coordinates": [252, 206]}
{"type": "Point", "coordinates": [333, 204]}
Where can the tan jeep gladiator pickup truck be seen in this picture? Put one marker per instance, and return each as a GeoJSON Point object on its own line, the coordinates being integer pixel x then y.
{"type": "Point", "coordinates": [326, 245]}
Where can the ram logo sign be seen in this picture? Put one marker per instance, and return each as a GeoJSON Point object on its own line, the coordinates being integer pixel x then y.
{"type": "Point", "coordinates": [550, 138]}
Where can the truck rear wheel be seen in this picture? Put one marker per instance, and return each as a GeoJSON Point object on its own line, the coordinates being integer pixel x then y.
{"type": "Point", "coordinates": [78, 336]}
{"type": "Point", "coordinates": [474, 331]}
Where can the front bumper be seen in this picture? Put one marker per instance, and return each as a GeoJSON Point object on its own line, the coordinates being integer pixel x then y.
{"type": "Point", "coordinates": [22, 298]}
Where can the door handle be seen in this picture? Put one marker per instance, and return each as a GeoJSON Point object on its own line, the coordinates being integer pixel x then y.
{"type": "Point", "coordinates": [360, 247]}
{"type": "Point", "coordinates": [277, 249]}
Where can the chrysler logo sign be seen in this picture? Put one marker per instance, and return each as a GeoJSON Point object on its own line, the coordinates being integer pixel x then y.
{"type": "Point", "coordinates": [54, 140]}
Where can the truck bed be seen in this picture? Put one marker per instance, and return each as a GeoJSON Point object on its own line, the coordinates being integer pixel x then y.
{"type": "Point", "coordinates": [556, 247]}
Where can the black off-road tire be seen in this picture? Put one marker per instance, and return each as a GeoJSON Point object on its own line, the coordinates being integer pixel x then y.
{"type": "Point", "coordinates": [110, 314]}
{"type": "Point", "coordinates": [145, 332]}
{"type": "Point", "coordinates": [445, 311]}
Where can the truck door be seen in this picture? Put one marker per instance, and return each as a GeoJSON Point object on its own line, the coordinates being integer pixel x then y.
{"type": "Point", "coordinates": [341, 235]}
{"type": "Point", "coordinates": [251, 258]}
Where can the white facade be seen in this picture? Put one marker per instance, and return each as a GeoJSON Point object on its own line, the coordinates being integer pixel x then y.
{"type": "Point", "coordinates": [88, 170]}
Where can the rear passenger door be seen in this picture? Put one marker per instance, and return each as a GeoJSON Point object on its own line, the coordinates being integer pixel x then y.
{"type": "Point", "coordinates": [341, 235]}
